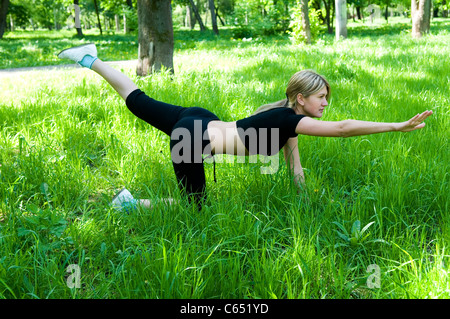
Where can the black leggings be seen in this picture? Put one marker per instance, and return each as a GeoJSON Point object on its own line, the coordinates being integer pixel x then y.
{"type": "Point", "coordinates": [185, 125]}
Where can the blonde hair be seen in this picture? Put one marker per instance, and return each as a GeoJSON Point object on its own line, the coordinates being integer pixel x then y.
{"type": "Point", "coordinates": [306, 82]}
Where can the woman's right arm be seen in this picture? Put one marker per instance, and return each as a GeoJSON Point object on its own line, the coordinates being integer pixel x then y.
{"type": "Point", "coordinates": [347, 128]}
{"type": "Point", "coordinates": [292, 159]}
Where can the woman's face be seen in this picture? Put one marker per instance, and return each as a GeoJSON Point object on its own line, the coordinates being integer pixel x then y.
{"type": "Point", "coordinates": [314, 104]}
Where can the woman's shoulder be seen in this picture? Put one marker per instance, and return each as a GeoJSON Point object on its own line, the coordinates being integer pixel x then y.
{"type": "Point", "coordinates": [283, 112]}
{"type": "Point", "coordinates": [279, 110]}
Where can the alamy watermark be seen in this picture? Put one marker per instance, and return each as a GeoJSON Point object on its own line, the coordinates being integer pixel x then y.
{"type": "Point", "coordinates": [191, 144]}
{"type": "Point", "coordinates": [374, 280]}
{"type": "Point", "coordinates": [74, 279]}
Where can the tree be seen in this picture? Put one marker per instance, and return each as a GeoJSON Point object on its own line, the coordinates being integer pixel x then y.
{"type": "Point", "coordinates": [18, 14]}
{"type": "Point", "coordinates": [192, 13]}
{"type": "Point", "coordinates": [305, 21]}
{"type": "Point", "coordinates": [304, 24]}
{"type": "Point", "coordinates": [341, 19]}
{"type": "Point", "coordinates": [329, 6]}
{"type": "Point", "coordinates": [77, 18]}
{"type": "Point", "coordinates": [42, 12]}
{"type": "Point", "coordinates": [226, 8]}
{"type": "Point", "coordinates": [358, 5]}
{"type": "Point", "coordinates": [385, 4]}
{"type": "Point", "coordinates": [98, 16]}
{"type": "Point", "coordinates": [190, 19]}
{"type": "Point", "coordinates": [197, 15]}
{"type": "Point", "coordinates": [3, 11]}
{"type": "Point", "coordinates": [123, 8]}
{"type": "Point", "coordinates": [420, 14]}
{"type": "Point", "coordinates": [155, 36]}
{"type": "Point", "coordinates": [212, 8]}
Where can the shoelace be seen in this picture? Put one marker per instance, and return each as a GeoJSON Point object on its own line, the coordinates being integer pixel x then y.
{"type": "Point", "coordinates": [214, 165]}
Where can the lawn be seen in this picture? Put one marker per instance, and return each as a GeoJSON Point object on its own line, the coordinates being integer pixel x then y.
{"type": "Point", "coordinates": [372, 222]}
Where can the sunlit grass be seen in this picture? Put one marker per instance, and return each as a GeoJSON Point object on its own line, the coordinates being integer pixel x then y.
{"type": "Point", "coordinates": [69, 143]}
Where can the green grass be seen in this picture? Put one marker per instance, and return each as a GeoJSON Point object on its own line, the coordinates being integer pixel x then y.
{"type": "Point", "coordinates": [39, 48]}
{"type": "Point", "coordinates": [69, 143]}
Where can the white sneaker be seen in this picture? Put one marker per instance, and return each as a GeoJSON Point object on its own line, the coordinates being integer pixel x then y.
{"type": "Point", "coordinates": [123, 199]}
{"type": "Point", "coordinates": [77, 54]}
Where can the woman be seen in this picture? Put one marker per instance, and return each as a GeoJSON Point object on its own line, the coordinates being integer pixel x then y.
{"type": "Point", "coordinates": [196, 131]}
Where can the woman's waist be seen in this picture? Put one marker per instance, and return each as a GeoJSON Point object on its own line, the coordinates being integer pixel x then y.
{"type": "Point", "coordinates": [225, 139]}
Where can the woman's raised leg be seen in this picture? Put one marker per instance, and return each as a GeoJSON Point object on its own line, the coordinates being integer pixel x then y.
{"type": "Point", "coordinates": [119, 81]}
{"type": "Point", "coordinates": [86, 56]}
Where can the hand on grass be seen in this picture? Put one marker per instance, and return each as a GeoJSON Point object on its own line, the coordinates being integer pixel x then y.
{"type": "Point", "coordinates": [415, 123]}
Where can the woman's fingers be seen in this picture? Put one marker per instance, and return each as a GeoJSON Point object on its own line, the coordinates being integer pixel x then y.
{"type": "Point", "coordinates": [416, 122]}
{"type": "Point", "coordinates": [425, 114]}
{"type": "Point", "coordinates": [421, 117]}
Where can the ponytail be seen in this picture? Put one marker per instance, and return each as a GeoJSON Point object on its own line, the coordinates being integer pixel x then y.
{"type": "Point", "coordinates": [304, 82]}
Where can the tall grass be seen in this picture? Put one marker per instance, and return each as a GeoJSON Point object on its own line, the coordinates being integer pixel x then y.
{"type": "Point", "coordinates": [69, 143]}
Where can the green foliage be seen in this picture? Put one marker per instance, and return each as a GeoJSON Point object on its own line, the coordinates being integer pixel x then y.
{"type": "Point", "coordinates": [57, 14]}
{"type": "Point", "coordinates": [251, 22]}
{"type": "Point", "coordinates": [297, 33]}
{"type": "Point", "coordinates": [117, 6]}
{"type": "Point", "coordinates": [39, 13]}
{"type": "Point", "coordinates": [19, 13]}
{"type": "Point", "coordinates": [356, 236]}
{"type": "Point", "coordinates": [44, 227]}
{"type": "Point", "coordinates": [132, 19]}
{"type": "Point", "coordinates": [26, 48]}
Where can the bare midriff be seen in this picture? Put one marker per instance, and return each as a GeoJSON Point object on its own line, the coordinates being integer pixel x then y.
{"type": "Point", "coordinates": [225, 139]}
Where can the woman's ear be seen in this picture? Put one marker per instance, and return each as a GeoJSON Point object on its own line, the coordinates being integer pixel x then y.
{"type": "Point", "coordinates": [300, 99]}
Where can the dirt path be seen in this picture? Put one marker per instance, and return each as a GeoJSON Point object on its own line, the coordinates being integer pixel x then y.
{"type": "Point", "coordinates": [10, 72]}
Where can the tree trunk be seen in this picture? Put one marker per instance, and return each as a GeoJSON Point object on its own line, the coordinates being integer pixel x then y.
{"type": "Point", "coordinates": [305, 21]}
{"type": "Point", "coordinates": [197, 15]}
{"type": "Point", "coordinates": [3, 12]}
{"type": "Point", "coordinates": [190, 18]}
{"type": "Point", "coordinates": [117, 22]}
{"type": "Point", "coordinates": [218, 15]}
{"type": "Point", "coordinates": [125, 24]}
{"type": "Point", "coordinates": [341, 19]}
{"type": "Point", "coordinates": [11, 21]}
{"type": "Point", "coordinates": [212, 8]}
{"type": "Point", "coordinates": [358, 13]}
{"type": "Point", "coordinates": [77, 18]}
{"type": "Point", "coordinates": [427, 15]}
{"type": "Point", "coordinates": [328, 15]}
{"type": "Point", "coordinates": [155, 36]}
{"type": "Point", "coordinates": [420, 14]}
{"type": "Point", "coordinates": [98, 16]}
{"type": "Point", "coordinates": [386, 13]}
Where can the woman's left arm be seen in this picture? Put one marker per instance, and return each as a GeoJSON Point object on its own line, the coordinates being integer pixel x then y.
{"type": "Point", "coordinates": [292, 159]}
{"type": "Point", "coordinates": [347, 128]}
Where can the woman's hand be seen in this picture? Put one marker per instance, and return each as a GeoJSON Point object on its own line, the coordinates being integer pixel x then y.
{"type": "Point", "coordinates": [414, 123]}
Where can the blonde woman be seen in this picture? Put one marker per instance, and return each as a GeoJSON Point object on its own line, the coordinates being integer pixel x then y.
{"type": "Point", "coordinates": [195, 131]}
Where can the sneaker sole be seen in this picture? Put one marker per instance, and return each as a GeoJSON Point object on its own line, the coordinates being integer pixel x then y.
{"type": "Point", "coordinates": [79, 46]}
{"type": "Point", "coordinates": [112, 200]}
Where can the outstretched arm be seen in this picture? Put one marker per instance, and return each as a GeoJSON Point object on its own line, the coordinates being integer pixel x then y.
{"type": "Point", "coordinates": [347, 128]}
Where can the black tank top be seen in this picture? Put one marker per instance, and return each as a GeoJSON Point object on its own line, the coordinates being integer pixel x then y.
{"type": "Point", "coordinates": [267, 132]}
